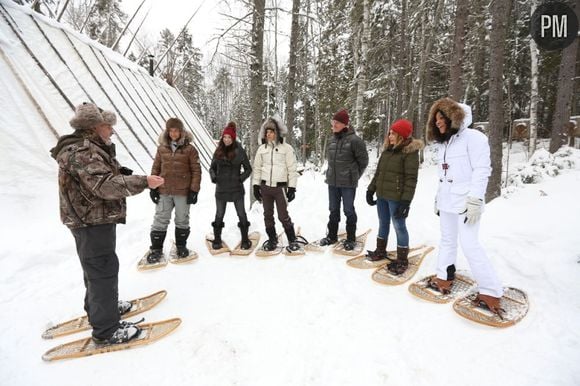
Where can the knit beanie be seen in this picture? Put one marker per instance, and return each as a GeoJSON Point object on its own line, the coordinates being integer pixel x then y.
{"type": "Point", "coordinates": [402, 127]}
{"type": "Point", "coordinates": [230, 130]}
{"type": "Point", "coordinates": [341, 116]}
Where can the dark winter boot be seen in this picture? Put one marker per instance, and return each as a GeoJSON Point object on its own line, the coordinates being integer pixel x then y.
{"type": "Point", "coordinates": [331, 237]}
{"type": "Point", "coordinates": [443, 286]}
{"type": "Point", "coordinates": [181, 236]}
{"type": "Point", "coordinates": [399, 266]}
{"type": "Point", "coordinates": [217, 235]}
{"type": "Point", "coordinates": [350, 241]}
{"type": "Point", "coordinates": [156, 248]}
{"type": "Point", "coordinates": [291, 236]}
{"type": "Point", "coordinates": [272, 242]}
{"type": "Point", "coordinates": [380, 253]}
{"type": "Point", "coordinates": [246, 243]}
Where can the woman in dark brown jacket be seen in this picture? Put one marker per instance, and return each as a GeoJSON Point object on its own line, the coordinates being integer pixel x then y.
{"type": "Point", "coordinates": [394, 183]}
{"type": "Point", "coordinates": [177, 161]}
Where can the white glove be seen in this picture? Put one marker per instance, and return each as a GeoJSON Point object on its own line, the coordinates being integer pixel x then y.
{"type": "Point", "coordinates": [474, 208]}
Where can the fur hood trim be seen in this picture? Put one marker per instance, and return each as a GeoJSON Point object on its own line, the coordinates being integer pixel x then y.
{"type": "Point", "coordinates": [274, 122]}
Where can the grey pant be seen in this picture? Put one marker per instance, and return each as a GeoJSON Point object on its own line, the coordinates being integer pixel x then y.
{"type": "Point", "coordinates": [96, 250]}
{"type": "Point", "coordinates": [163, 213]}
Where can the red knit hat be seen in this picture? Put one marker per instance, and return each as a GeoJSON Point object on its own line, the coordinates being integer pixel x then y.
{"type": "Point", "coordinates": [341, 116]}
{"type": "Point", "coordinates": [230, 130]}
{"type": "Point", "coordinates": [402, 127]}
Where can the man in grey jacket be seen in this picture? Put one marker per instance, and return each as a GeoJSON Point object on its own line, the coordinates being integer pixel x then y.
{"type": "Point", "coordinates": [347, 159]}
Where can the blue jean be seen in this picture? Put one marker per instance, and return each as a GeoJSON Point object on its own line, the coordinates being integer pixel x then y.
{"type": "Point", "coordinates": [335, 194]}
{"type": "Point", "coordinates": [386, 210]}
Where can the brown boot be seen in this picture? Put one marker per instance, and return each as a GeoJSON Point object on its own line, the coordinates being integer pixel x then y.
{"type": "Point", "coordinates": [399, 266]}
{"type": "Point", "coordinates": [489, 302]}
{"type": "Point", "coordinates": [380, 253]}
{"type": "Point", "coordinates": [440, 285]}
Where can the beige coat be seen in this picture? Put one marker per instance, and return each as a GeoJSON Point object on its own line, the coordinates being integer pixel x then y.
{"type": "Point", "coordinates": [275, 164]}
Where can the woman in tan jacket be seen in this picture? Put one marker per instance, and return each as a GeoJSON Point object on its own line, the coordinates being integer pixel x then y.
{"type": "Point", "coordinates": [177, 161]}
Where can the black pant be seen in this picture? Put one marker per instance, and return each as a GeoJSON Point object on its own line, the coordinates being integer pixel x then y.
{"type": "Point", "coordinates": [96, 250]}
{"type": "Point", "coordinates": [220, 210]}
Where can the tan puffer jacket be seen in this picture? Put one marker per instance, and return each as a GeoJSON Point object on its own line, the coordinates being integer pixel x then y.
{"type": "Point", "coordinates": [180, 168]}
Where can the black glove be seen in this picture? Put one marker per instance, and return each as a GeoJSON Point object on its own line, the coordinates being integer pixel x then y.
{"type": "Point", "coordinates": [192, 198]}
{"type": "Point", "coordinates": [154, 194]}
{"type": "Point", "coordinates": [403, 209]}
{"type": "Point", "coordinates": [291, 194]}
{"type": "Point", "coordinates": [212, 176]}
{"type": "Point", "coordinates": [257, 194]}
{"type": "Point", "coordinates": [125, 171]}
{"type": "Point", "coordinates": [370, 198]}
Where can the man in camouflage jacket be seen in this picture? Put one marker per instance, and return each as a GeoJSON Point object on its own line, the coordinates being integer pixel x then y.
{"type": "Point", "coordinates": [92, 191]}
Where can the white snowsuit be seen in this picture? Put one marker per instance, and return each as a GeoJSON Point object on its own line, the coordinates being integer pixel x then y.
{"type": "Point", "coordinates": [464, 170]}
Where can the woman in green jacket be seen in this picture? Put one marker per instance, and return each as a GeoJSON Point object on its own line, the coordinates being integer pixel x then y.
{"type": "Point", "coordinates": [394, 183]}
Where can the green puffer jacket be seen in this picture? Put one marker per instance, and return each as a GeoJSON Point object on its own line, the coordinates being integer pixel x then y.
{"type": "Point", "coordinates": [396, 175]}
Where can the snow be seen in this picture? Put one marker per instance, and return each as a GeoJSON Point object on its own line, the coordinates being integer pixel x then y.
{"type": "Point", "coordinates": [308, 320]}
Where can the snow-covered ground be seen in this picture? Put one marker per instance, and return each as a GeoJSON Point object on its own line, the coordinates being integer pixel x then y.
{"type": "Point", "coordinates": [310, 320]}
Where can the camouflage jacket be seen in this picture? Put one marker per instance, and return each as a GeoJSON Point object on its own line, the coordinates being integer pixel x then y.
{"type": "Point", "coordinates": [91, 189]}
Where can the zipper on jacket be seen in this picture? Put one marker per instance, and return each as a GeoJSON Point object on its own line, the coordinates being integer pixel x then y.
{"type": "Point", "coordinates": [271, 164]}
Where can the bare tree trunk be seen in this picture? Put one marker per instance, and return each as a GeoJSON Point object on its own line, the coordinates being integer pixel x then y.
{"type": "Point", "coordinates": [291, 92]}
{"type": "Point", "coordinates": [456, 70]}
{"type": "Point", "coordinates": [534, 97]}
{"type": "Point", "coordinates": [361, 75]}
{"type": "Point", "coordinates": [564, 98]}
{"type": "Point", "coordinates": [403, 68]}
{"type": "Point", "coordinates": [256, 73]}
{"type": "Point", "coordinates": [500, 10]}
{"type": "Point", "coordinates": [418, 83]}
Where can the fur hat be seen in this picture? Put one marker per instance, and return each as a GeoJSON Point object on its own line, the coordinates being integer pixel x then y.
{"type": "Point", "coordinates": [341, 116]}
{"type": "Point", "coordinates": [87, 116]}
{"type": "Point", "coordinates": [174, 123]}
{"type": "Point", "coordinates": [273, 123]}
{"type": "Point", "coordinates": [230, 130]}
{"type": "Point", "coordinates": [109, 117]}
{"type": "Point", "coordinates": [402, 127]}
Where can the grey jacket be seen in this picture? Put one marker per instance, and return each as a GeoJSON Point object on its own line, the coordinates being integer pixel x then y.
{"type": "Point", "coordinates": [347, 159]}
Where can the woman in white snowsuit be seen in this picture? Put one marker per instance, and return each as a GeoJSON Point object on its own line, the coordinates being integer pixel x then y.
{"type": "Point", "coordinates": [464, 169]}
{"type": "Point", "coordinates": [274, 180]}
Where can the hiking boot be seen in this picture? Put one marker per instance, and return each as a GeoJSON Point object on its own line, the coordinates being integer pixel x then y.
{"type": "Point", "coordinates": [348, 245]}
{"type": "Point", "coordinates": [124, 306]}
{"type": "Point", "coordinates": [297, 245]}
{"type": "Point", "coordinates": [399, 266]}
{"type": "Point", "coordinates": [440, 285]}
{"type": "Point", "coordinates": [328, 241]}
{"type": "Point", "coordinates": [126, 332]}
{"type": "Point", "coordinates": [182, 251]}
{"type": "Point", "coordinates": [380, 252]}
{"type": "Point", "coordinates": [154, 256]}
{"type": "Point", "coordinates": [272, 242]}
{"type": "Point", "coordinates": [489, 302]}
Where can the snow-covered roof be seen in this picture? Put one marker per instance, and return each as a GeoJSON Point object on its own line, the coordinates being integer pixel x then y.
{"type": "Point", "coordinates": [48, 69]}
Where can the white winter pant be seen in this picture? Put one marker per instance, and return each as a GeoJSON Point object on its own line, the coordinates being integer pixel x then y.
{"type": "Point", "coordinates": [452, 227]}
